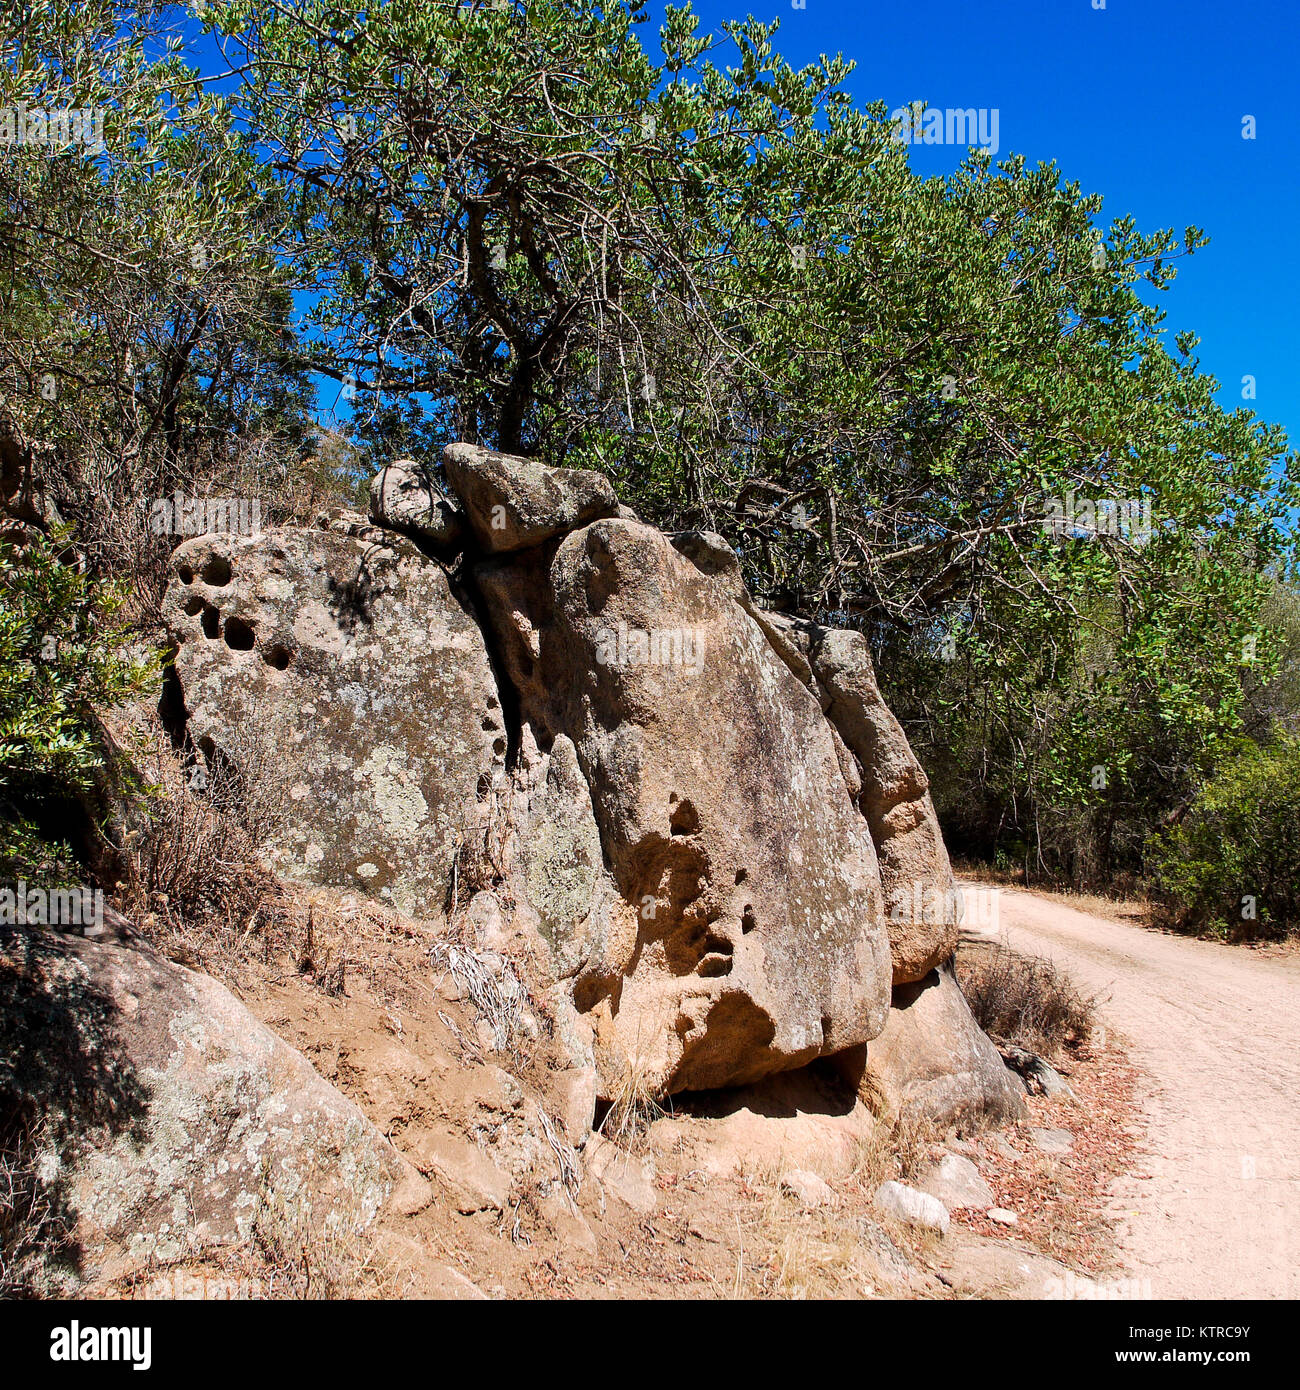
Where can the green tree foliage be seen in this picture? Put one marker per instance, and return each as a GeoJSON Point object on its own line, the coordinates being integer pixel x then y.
{"type": "Point", "coordinates": [716, 278]}
{"type": "Point", "coordinates": [61, 658]}
{"type": "Point", "coordinates": [720, 282]}
{"type": "Point", "coordinates": [145, 343]}
{"type": "Point", "coordinates": [1232, 865]}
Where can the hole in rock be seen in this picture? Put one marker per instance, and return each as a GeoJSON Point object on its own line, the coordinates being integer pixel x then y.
{"type": "Point", "coordinates": [747, 919]}
{"type": "Point", "coordinates": [741, 875]}
{"type": "Point", "coordinates": [683, 819]}
{"type": "Point", "coordinates": [193, 605]}
{"type": "Point", "coordinates": [276, 654]}
{"type": "Point", "coordinates": [186, 574]}
{"type": "Point", "coordinates": [238, 634]}
{"type": "Point", "coordinates": [211, 621]}
{"type": "Point", "coordinates": [716, 959]}
{"type": "Point", "coordinates": [216, 571]}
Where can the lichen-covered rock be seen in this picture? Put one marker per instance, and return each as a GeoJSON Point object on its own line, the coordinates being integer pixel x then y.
{"type": "Point", "coordinates": [882, 773]}
{"type": "Point", "coordinates": [514, 503]}
{"type": "Point", "coordinates": [921, 898]}
{"type": "Point", "coordinates": [401, 496]}
{"type": "Point", "coordinates": [563, 865]}
{"type": "Point", "coordinates": [351, 672]}
{"type": "Point", "coordinates": [933, 1060]}
{"type": "Point", "coordinates": [172, 1119]}
{"type": "Point", "coordinates": [751, 937]}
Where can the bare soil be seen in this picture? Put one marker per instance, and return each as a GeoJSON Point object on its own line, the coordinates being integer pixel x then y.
{"type": "Point", "coordinates": [696, 1206]}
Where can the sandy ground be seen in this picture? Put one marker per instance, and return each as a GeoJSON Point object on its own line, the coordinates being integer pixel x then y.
{"type": "Point", "coordinates": [1214, 1208]}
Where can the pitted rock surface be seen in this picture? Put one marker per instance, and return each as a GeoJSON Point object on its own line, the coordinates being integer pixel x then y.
{"type": "Point", "coordinates": [370, 682]}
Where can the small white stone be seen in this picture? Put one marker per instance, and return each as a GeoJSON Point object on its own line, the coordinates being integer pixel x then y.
{"type": "Point", "coordinates": [916, 1208]}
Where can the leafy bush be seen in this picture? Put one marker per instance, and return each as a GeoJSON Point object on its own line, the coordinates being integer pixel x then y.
{"type": "Point", "coordinates": [1232, 865]}
{"type": "Point", "coordinates": [61, 655]}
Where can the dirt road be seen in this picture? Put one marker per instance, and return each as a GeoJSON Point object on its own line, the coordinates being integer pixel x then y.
{"type": "Point", "coordinates": [1216, 1031]}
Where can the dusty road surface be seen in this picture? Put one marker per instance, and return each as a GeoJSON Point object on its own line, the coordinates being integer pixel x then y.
{"type": "Point", "coordinates": [1216, 1031]}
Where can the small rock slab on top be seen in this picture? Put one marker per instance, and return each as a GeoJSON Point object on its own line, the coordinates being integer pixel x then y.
{"type": "Point", "coordinates": [402, 497]}
{"type": "Point", "coordinates": [516, 503]}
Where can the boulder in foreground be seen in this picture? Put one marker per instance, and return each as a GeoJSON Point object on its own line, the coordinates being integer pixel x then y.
{"type": "Point", "coordinates": [173, 1120]}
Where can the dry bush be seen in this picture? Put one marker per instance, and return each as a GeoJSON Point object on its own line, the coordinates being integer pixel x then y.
{"type": "Point", "coordinates": [898, 1147]}
{"type": "Point", "coordinates": [194, 878]}
{"type": "Point", "coordinates": [493, 988]}
{"type": "Point", "coordinates": [1025, 1000]}
{"type": "Point", "coordinates": [301, 1259]}
{"type": "Point", "coordinates": [634, 1104]}
{"type": "Point", "coordinates": [33, 1227]}
{"type": "Point", "coordinates": [110, 496]}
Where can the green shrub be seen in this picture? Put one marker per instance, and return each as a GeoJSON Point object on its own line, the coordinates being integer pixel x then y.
{"type": "Point", "coordinates": [61, 655]}
{"type": "Point", "coordinates": [1232, 866]}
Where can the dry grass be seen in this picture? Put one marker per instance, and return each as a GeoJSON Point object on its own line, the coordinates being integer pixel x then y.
{"type": "Point", "coordinates": [33, 1230]}
{"type": "Point", "coordinates": [300, 1260]}
{"type": "Point", "coordinates": [1024, 1000]}
{"type": "Point", "coordinates": [492, 986]}
{"type": "Point", "coordinates": [898, 1147]}
{"type": "Point", "coordinates": [633, 1107]}
{"type": "Point", "coordinates": [788, 1251]}
{"type": "Point", "coordinates": [195, 882]}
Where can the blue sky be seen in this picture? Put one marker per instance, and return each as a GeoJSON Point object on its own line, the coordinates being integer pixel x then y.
{"type": "Point", "coordinates": [1141, 101]}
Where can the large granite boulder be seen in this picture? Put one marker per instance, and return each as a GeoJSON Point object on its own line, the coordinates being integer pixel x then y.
{"type": "Point", "coordinates": [372, 682]}
{"type": "Point", "coordinates": [719, 848]}
{"type": "Point", "coordinates": [750, 937]}
{"type": "Point", "coordinates": [169, 1120]}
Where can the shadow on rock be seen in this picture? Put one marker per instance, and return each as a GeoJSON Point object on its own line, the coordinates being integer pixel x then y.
{"type": "Point", "coordinates": [62, 1077]}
